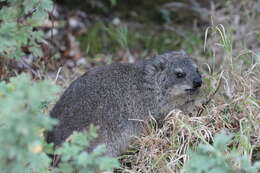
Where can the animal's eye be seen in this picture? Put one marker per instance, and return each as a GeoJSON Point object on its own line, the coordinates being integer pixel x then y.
{"type": "Point", "coordinates": [180, 74]}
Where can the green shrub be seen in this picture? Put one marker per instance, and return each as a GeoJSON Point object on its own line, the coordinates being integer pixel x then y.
{"type": "Point", "coordinates": [75, 159]}
{"type": "Point", "coordinates": [22, 121]}
{"type": "Point", "coordinates": [18, 20]}
{"type": "Point", "coordinates": [22, 146]}
{"type": "Point", "coordinates": [215, 158]}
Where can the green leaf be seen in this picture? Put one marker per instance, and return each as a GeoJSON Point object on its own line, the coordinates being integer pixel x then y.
{"type": "Point", "coordinates": [221, 140]}
{"type": "Point", "coordinates": [215, 158]}
{"type": "Point", "coordinates": [107, 163]}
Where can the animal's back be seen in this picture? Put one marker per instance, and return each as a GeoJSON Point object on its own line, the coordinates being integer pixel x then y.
{"type": "Point", "coordinates": [109, 97]}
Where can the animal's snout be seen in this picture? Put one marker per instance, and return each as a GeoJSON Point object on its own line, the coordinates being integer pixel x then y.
{"type": "Point", "coordinates": [197, 82]}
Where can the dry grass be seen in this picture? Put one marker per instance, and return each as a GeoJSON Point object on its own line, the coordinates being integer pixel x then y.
{"type": "Point", "coordinates": [234, 105]}
{"type": "Point", "coordinates": [231, 76]}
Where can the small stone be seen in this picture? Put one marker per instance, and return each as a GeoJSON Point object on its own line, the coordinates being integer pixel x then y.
{"type": "Point", "coordinates": [73, 23]}
{"type": "Point", "coordinates": [81, 62]}
{"type": "Point", "coordinates": [70, 63]}
{"type": "Point", "coordinates": [116, 21]}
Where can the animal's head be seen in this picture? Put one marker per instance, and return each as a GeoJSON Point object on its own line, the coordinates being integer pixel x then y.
{"type": "Point", "coordinates": [174, 73]}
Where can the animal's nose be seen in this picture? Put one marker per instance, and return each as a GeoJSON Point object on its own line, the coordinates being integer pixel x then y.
{"type": "Point", "coordinates": [197, 82]}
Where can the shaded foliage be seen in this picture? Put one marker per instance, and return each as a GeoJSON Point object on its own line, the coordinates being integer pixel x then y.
{"type": "Point", "coordinates": [18, 22]}
{"type": "Point", "coordinates": [215, 158]}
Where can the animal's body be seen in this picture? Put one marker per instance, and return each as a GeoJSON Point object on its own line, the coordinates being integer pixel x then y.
{"type": "Point", "coordinates": [115, 97]}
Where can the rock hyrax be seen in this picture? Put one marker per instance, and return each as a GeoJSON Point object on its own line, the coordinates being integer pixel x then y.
{"type": "Point", "coordinates": [113, 97]}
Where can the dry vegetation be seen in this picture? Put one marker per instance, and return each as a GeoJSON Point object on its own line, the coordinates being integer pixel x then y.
{"type": "Point", "coordinates": [229, 62]}
{"type": "Point", "coordinates": [231, 86]}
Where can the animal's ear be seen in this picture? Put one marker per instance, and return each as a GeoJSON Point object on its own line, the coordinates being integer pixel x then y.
{"type": "Point", "coordinates": [155, 65]}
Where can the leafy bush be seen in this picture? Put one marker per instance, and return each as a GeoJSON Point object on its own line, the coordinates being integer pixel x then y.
{"type": "Point", "coordinates": [22, 121]}
{"type": "Point", "coordinates": [215, 158]}
{"type": "Point", "coordinates": [22, 147]}
{"type": "Point", "coordinates": [18, 22]}
{"type": "Point", "coordinates": [75, 159]}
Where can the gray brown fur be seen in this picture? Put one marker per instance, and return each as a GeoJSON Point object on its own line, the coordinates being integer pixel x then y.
{"type": "Point", "coordinates": [114, 96]}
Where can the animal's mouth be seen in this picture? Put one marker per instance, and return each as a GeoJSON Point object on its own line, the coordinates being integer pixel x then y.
{"type": "Point", "coordinates": [192, 91]}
